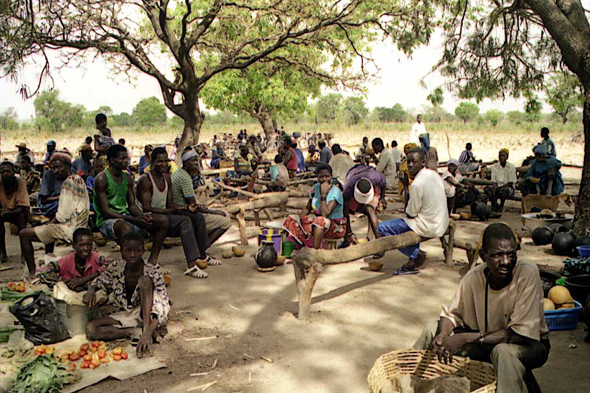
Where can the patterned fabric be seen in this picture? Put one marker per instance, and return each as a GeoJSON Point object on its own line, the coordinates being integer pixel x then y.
{"type": "Point", "coordinates": [106, 141]}
{"type": "Point", "coordinates": [112, 281]}
{"type": "Point", "coordinates": [432, 159]}
{"type": "Point", "coordinates": [577, 266]}
{"type": "Point", "coordinates": [32, 178]}
{"type": "Point", "coordinates": [466, 157]}
{"type": "Point", "coordinates": [74, 206]}
{"type": "Point", "coordinates": [301, 228]}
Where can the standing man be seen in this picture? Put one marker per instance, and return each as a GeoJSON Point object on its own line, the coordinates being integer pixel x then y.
{"type": "Point", "coordinates": [154, 195]}
{"type": "Point", "coordinates": [340, 163]}
{"type": "Point", "coordinates": [14, 203]}
{"type": "Point", "coordinates": [23, 151]}
{"type": "Point", "coordinates": [72, 212]}
{"type": "Point", "coordinates": [183, 194]}
{"type": "Point", "coordinates": [83, 165]}
{"type": "Point", "coordinates": [547, 142]}
{"type": "Point", "coordinates": [426, 211]}
{"type": "Point", "coordinates": [496, 316]}
{"type": "Point", "coordinates": [325, 152]}
{"type": "Point", "coordinates": [417, 129]}
{"type": "Point", "coordinates": [254, 149]}
{"type": "Point", "coordinates": [386, 163]}
{"type": "Point", "coordinates": [104, 140]}
{"type": "Point", "coordinates": [117, 214]}
{"type": "Point", "coordinates": [504, 179]}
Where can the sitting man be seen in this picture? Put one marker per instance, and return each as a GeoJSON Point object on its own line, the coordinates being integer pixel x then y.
{"type": "Point", "coordinates": [183, 195]}
{"type": "Point", "coordinates": [312, 159]}
{"type": "Point", "coordinates": [504, 179]}
{"type": "Point", "coordinates": [82, 165]}
{"type": "Point", "coordinates": [14, 203]}
{"type": "Point", "coordinates": [364, 192]}
{"type": "Point", "coordinates": [543, 176]}
{"type": "Point", "coordinates": [426, 211]}
{"type": "Point", "coordinates": [78, 269]}
{"type": "Point", "coordinates": [362, 153]}
{"type": "Point", "coordinates": [279, 175]}
{"type": "Point", "coordinates": [459, 191]}
{"type": "Point", "coordinates": [325, 152]}
{"type": "Point", "coordinates": [386, 163]}
{"type": "Point", "coordinates": [138, 293]}
{"type": "Point", "coordinates": [217, 155]}
{"type": "Point", "coordinates": [154, 195]}
{"type": "Point", "coordinates": [28, 173]}
{"type": "Point", "coordinates": [144, 161]}
{"type": "Point", "coordinates": [23, 151]}
{"type": "Point", "coordinates": [496, 316]}
{"type": "Point", "coordinates": [467, 160]}
{"type": "Point", "coordinates": [326, 203]}
{"type": "Point", "coordinates": [72, 213]}
{"type": "Point", "coordinates": [340, 163]}
{"type": "Point", "coordinates": [114, 203]}
{"type": "Point", "coordinates": [51, 184]}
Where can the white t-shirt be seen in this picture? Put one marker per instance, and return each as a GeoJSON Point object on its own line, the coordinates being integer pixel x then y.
{"type": "Point", "coordinates": [387, 166]}
{"type": "Point", "coordinates": [449, 188]}
{"type": "Point", "coordinates": [397, 155]}
{"type": "Point", "coordinates": [417, 129]}
{"type": "Point", "coordinates": [502, 176]}
{"type": "Point", "coordinates": [428, 205]}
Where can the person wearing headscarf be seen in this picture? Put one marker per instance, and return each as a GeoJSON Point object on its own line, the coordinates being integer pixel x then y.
{"type": "Point", "coordinates": [430, 152]}
{"type": "Point", "coordinates": [543, 176]}
{"type": "Point", "coordinates": [404, 176]}
{"type": "Point", "coordinates": [504, 179]}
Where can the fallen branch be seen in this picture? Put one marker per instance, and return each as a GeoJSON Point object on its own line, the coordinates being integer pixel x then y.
{"type": "Point", "coordinates": [266, 200]}
{"type": "Point", "coordinates": [234, 189]}
{"type": "Point", "coordinates": [200, 338]}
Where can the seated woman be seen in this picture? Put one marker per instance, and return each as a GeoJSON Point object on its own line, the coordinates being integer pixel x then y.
{"type": "Point", "coordinates": [326, 203]}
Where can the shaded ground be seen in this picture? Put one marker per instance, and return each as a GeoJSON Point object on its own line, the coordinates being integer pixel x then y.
{"type": "Point", "coordinates": [357, 316]}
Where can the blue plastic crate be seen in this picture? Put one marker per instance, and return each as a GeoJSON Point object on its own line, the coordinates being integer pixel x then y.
{"type": "Point", "coordinates": [566, 319]}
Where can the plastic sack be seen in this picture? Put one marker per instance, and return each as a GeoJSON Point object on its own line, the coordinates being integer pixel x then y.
{"type": "Point", "coordinates": [39, 317]}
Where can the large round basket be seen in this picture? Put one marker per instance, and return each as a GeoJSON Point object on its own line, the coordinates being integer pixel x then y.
{"type": "Point", "coordinates": [425, 365]}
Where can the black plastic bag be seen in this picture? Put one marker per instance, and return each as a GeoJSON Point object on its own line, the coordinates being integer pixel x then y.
{"type": "Point", "coordinates": [40, 319]}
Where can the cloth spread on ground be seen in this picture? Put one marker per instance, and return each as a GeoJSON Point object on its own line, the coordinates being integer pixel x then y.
{"type": "Point", "coordinates": [428, 205]}
{"type": "Point", "coordinates": [518, 306]}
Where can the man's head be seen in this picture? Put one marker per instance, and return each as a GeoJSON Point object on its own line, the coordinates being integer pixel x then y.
{"type": "Point", "coordinates": [83, 240]}
{"type": "Point", "coordinates": [101, 121]}
{"type": "Point", "coordinates": [86, 152]}
{"type": "Point", "coordinates": [88, 140]}
{"type": "Point", "coordinates": [132, 248]}
{"type": "Point", "coordinates": [190, 161]}
{"type": "Point", "coordinates": [324, 172]}
{"type": "Point", "coordinates": [176, 142]}
{"type": "Point", "coordinates": [118, 157]}
{"type": "Point", "coordinates": [498, 251]}
{"type": "Point", "coordinates": [377, 145]}
{"type": "Point", "coordinates": [7, 172]}
{"type": "Point", "coordinates": [51, 145]}
{"type": "Point", "coordinates": [468, 146]}
{"type": "Point", "coordinates": [544, 132]}
{"type": "Point", "coordinates": [121, 141]}
{"type": "Point", "coordinates": [452, 166]}
{"type": "Point", "coordinates": [278, 159]}
{"type": "Point", "coordinates": [336, 149]}
{"type": "Point", "coordinates": [147, 150]}
{"type": "Point", "coordinates": [61, 165]}
{"type": "Point", "coordinates": [363, 191]}
{"type": "Point", "coordinates": [503, 157]}
{"type": "Point", "coordinates": [252, 139]}
{"type": "Point", "coordinates": [419, 118]}
{"type": "Point", "coordinates": [322, 144]}
{"type": "Point", "coordinates": [25, 163]}
{"type": "Point", "coordinates": [311, 149]}
{"type": "Point", "coordinates": [540, 152]}
{"type": "Point", "coordinates": [159, 162]}
{"type": "Point", "coordinates": [393, 144]}
{"type": "Point", "coordinates": [98, 166]}
{"type": "Point", "coordinates": [244, 151]}
{"type": "Point", "coordinates": [287, 141]}
{"type": "Point", "coordinates": [22, 148]}
{"type": "Point", "coordinates": [365, 140]}
{"type": "Point", "coordinates": [416, 161]}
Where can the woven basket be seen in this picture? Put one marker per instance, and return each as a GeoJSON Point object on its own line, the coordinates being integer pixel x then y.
{"type": "Point", "coordinates": [425, 365]}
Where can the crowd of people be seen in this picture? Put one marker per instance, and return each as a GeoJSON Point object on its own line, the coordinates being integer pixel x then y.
{"type": "Point", "coordinates": [98, 192]}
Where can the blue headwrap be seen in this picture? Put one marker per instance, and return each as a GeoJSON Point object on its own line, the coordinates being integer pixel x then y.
{"type": "Point", "coordinates": [540, 150]}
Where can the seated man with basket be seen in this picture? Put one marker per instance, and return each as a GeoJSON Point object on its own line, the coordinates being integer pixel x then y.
{"type": "Point", "coordinates": [496, 316]}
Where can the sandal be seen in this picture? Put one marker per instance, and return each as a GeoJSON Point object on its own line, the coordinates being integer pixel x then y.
{"type": "Point", "coordinates": [195, 272]}
{"type": "Point", "coordinates": [212, 261]}
{"type": "Point", "coordinates": [404, 271]}
{"type": "Point", "coordinates": [162, 270]}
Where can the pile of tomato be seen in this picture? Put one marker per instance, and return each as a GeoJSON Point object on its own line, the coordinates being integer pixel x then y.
{"type": "Point", "coordinates": [92, 355]}
{"type": "Point", "coordinates": [16, 286]}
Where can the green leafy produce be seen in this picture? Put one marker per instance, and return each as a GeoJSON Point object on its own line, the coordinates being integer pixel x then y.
{"type": "Point", "coordinates": [10, 296]}
{"type": "Point", "coordinates": [44, 374]}
{"type": "Point", "coordinates": [5, 333]}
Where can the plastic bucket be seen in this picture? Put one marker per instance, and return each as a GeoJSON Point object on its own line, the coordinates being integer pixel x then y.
{"type": "Point", "coordinates": [288, 248]}
{"type": "Point", "coordinates": [271, 235]}
{"type": "Point", "coordinates": [74, 317]}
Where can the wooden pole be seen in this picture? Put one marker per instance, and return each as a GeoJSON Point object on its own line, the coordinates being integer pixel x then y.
{"type": "Point", "coordinates": [234, 189]}
{"type": "Point", "coordinates": [242, 226]}
{"type": "Point", "coordinates": [271, 199]}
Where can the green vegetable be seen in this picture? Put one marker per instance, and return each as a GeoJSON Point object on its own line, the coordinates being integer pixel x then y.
{"type": "Point", "coordinates": [44, 374]}
{"type": "Point", "coordinates": [5, 333]}
{"type": "Point", "coordinates": [10, 296]}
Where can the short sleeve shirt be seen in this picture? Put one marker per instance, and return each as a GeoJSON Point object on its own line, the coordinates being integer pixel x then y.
{"type": "Point", "coordinates": [50, 185]}
{"type": "Point", "coordinates": [18, 198]}
{"type": "Point", "coordinates": [333, 195]}
{"type": "Point", "coordinates": [182, 187]}
{"type": "Point", "coordinates": [67, 266]}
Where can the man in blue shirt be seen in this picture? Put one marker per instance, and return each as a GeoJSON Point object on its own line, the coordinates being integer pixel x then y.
{"type": "Point", "coordinates": [543, 176]}
{"type": "Point", "coordinates": [547, 142]}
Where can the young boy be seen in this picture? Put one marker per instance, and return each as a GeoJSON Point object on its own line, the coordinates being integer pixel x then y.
{"type": "Point", "coordinates": [82, 266]}
{"type": "Point", "coordinates": [139, 293]}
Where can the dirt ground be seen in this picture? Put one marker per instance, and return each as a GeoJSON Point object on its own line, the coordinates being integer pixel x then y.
{"type": "Point", "coordinates": [357, 316]}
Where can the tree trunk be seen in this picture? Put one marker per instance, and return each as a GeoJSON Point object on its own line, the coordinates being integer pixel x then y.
{"type": "Point", "coordinates": [193, 120]}
{"type": "Point", "coordinates": [266, 121]}
{"type": "Point", "coordinates": [582, 216]}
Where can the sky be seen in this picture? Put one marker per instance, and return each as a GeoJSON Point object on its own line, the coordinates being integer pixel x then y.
{"type": "Point", "coordinates": [93, 84]}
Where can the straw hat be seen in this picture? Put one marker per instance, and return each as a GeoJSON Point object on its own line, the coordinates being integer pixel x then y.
{"type": "Point", "coordinates": [23, 146]}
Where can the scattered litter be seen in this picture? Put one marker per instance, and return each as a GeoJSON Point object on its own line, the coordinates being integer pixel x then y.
{"type": "Point", "coordinates": [249, 377]}
{"type": "Point", "coordinates": [200, 338]}
{"type": "Point", "coordinates": [199, 374]}
{"type": "Point", "coordinates": [214, 364]}
{"type": "Point", "coordinates": [248, 356]}
{"type": "Point", "coordinates": [267, 359]}
{"type": "Point", "coordinates": [202, 387]}
{"type": "Point", "coordinates": [234, 307]}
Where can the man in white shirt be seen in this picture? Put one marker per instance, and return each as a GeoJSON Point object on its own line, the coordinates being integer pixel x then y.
{"type": "Point", "coordinates": [398, 155]}
{"type": "Point", "coordinates": [341, 162]}
{"type": "Point", "coordinates": [459, 192]}
{"type": "Point", "coordinates": [426, 211]}
{"type": "Point", "coordinates": [504, 179]}
{"type": "Point", "coordinates": [417, 129]}
{"type": "Point", "coordinates": [496, 316]}
{"type": "Point", "coordinates": [386, 164]}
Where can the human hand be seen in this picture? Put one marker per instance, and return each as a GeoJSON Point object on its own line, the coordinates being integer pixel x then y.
{"type": "Point", "coordinates": [74, 283]}
{"type": "Point", "coordinates": [144, 346]}
{"type": "Point", "coordinates": [353, 239]}
{"type": "Point", "coordinates": [325, 189]}
{"type": "Point", "coordinates": [449, 347]}
{"type": "Point", "coordinates": [145, 219]}
{"type": "Point", "coordinates": [382, 205]}
{"type": "Point", "coordinates": [89, 298]}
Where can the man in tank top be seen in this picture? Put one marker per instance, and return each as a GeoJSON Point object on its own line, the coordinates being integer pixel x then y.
{"type": "Point", "coordinates": [114, 203]}
{"type": "Point", "coordinates": [154, 195]}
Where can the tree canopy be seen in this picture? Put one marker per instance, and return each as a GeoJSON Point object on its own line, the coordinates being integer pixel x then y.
{"type": "Point", "coordinates": [149, 112]}
{"type": "Point", "coordinates": [564, 94]}
{"type": "Point", "coordinates": [53, 114]}
{"type": "Point", "coordinates": [466, 111]}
